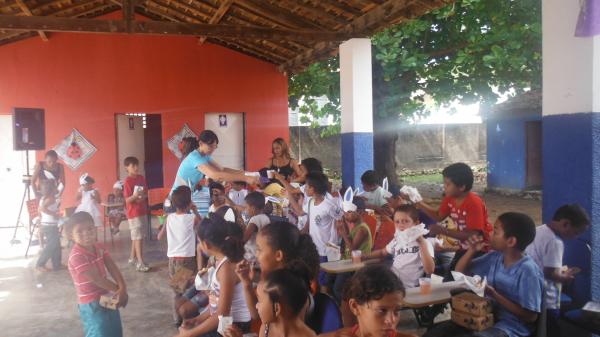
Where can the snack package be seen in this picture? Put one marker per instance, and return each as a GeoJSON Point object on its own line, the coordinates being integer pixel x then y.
{"type": "Point", "coordinates": [109, 301]}
{"type": "Point", "coordinates": [474, 283]}
{"type": "Point", "coordinates": [202, 281]}
{"type": "Point", "coordinates": [469, 303]}
{"type": "Point", "coordinates": [412, 193]}
{"type": "Point", "coordinates": [475, 323]}
{"type": "Point", "coordinates": [411, 234]}
{"type": "Point", "coordinates": [224, 324]}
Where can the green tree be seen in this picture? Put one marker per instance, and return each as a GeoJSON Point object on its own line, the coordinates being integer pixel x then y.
{"type": "Point", "coordinates": [470, 51]}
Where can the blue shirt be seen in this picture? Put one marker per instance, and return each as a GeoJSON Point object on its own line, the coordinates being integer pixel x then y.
{"type": "Point", "coordinates": [522, 283]}
{"type": "Point", "coordinates": [188, 173]}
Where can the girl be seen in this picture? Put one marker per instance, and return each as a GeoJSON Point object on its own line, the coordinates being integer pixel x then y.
{"type": "Point", "coordinates": [49, 208]}
{"type": "Point", "coordinates": [356, 235]}
{"type": "Point", "coordinates": [116, 215]}
{"type": "Point", "coordinates": [374, 295]}
{"type": "Point", "coordinates": [222, 240]}
{"type": "Point", "coordinates": [282, 161]}
{"type": "Point", "coordinates": [412, 256]}
{"type": "Point", "coordinates": [89, 199]}
{"type": "Point", "coordinates": [278, 245]}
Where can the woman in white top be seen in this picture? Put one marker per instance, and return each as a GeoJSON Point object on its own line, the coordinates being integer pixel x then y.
{"type": "Point", "coordinates": [49, 216]}
{"type": "Point", "coordinates": [222, 240]}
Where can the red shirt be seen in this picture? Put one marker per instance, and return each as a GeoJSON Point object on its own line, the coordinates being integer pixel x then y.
{"type": "Point", "coordinates": [470, 215]}
{"type": "Point", "coordinates": [138, 208]}
{"type": "Point", "coordinates": [82, 260]}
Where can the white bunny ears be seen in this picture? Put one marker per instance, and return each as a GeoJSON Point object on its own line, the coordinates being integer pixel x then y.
{"type": "Point", "coordinates": [83, 179]}
{"type": "Point", "coordinates": [386, 188]}
{"type": "Point", "coordinates": [118, 185]}
{"type": "Point", "coordinates": [347, 204]}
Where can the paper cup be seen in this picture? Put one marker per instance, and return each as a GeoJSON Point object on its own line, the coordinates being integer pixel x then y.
{"type": "Point", "coordinates": [270, 174]}
{"type": "Point", "coordinates": [425, 286]}
{"type": "Point", "coordinates": [356, 256]}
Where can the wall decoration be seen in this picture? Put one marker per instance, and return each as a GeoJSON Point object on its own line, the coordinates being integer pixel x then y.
{"type": "Point", "coordinates": [175, 143]}
{"type": "Point", "coordinates": [74, 149]}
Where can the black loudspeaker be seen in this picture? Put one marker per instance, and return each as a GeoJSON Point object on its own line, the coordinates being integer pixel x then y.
{"type": "Point", "coordinates": [29, 130]}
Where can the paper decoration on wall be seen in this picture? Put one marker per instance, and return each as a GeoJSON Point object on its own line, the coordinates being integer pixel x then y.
{"type": "Point", "coordinates": [74, 149]}
{"type": "Point", "coordinates": [175, 143]}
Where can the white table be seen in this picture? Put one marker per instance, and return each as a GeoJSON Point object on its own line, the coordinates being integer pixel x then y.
{"type": "Point", "coordinates": [344, 266]}
{"type": "Point", "coordinates": [440, 293]}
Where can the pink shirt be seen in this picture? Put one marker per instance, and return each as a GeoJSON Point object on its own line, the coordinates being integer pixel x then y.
{"type": "Point", "coordinates": [80, 261]}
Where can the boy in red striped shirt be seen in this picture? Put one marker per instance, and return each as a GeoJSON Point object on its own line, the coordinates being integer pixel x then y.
{"type": "Point", "coordinates": [88, 265]}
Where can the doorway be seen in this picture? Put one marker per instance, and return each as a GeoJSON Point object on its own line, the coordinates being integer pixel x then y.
{"type": "Point", "coordinates": [230, 128]}
{"type": "Point", "coordinates": [140, 135]}
{"type": "Point", "coordinates": [533, 134]}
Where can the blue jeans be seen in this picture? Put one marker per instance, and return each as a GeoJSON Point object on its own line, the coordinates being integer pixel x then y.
{"type": "Point", "coordinates": [100, 322]}
{"type": "Point", "coordinates": [451, 329]}
{"type": "Point", "coordinates": [52, 249]}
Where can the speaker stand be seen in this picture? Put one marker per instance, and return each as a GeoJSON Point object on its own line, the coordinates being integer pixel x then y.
{"type": "Point", "coordinates": [26, 196]}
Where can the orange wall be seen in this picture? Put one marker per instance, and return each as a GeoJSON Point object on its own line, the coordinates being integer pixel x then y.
{"type": "Point", "coordinates": [82, 80]}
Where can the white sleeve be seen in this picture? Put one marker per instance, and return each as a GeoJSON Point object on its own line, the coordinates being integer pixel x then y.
{"type": "Point", "coordinates": [429, 248]}
{"type": "Point", "coordinates": [390, 247]}
{"type": "Point", "coordinates": [229, 215]}
{"type": "Point", "coordinates": [553, 254]}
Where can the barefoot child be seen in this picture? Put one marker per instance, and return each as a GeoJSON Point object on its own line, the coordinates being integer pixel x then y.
{"type": "Point", "coordinates": [374, 295]}
{"type": "Point", "coordinates": [135, 190]}
{"type": "Point", "coordinates": [412, 257]}
{"type": "Point", "coordinates": [49, 208]}
{"type": "Point", "coordinates": [88, 265]}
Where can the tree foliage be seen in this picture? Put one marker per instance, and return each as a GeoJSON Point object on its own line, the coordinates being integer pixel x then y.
{"type": "Point", "coordinates": [470, 51]}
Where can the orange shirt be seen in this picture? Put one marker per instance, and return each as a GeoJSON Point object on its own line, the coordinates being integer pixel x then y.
{"type": "Point", "coordinates": [470, 215]}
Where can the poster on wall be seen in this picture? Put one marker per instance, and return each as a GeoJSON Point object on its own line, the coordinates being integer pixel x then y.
{"type": "Point", "coordinates": [74, 149]}
{"type": "Point", "coordinates": [175, 143]}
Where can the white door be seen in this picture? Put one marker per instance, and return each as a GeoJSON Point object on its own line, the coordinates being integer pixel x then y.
{"type": "Point", "coordinates": [229, 127]}
{"type": "Point", "coordinates": [12, 169]}
{"type": "Point", "coordinates": [130, 141]}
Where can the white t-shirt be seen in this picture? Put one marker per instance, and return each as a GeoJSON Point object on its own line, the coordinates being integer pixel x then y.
{"type": "Point", "coordinates": [376, 197]}
{"type": "Point", "coordinates": [229, 215]}
{"type": "Point", "coordinates": [547, 251]}
{"type": "Point", "coordinates": [260, 220]}
{"type": "Point", "coordinates": [181, 239]}
{"type": "Point", "coordinates": [408, 264]}
{"type": "Point", "coordinates": [328, 196]}
{"type": "Point", "coordinates": [238, 196]}
{"type": "Point", "coordinates": [321, 221]}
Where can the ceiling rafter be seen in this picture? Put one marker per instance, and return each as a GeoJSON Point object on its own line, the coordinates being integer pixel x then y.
{"type": "Point", "coordinates": [217, 16]}
{"type": "Point", "coordinates": [27, 12]}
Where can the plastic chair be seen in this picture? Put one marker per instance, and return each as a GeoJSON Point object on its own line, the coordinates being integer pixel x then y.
{"type": "Point", "coordinates": [371, 222]}
{"type": "Point", "coordinates": [326, 316]}
{"type": "Point", "coordinates": [385, 234]}
{"type": "Point", "coordinates": [156, 199]}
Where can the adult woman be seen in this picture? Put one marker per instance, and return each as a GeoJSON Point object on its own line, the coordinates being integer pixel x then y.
{"type": "Point", "coordinates": [199, 163]}
{"type": "Point", "coordinates": [282, 161]}
{"type": "Point", "coordinates": [48, 169]}
{"type": "Point", "coordinates": [189, 144]}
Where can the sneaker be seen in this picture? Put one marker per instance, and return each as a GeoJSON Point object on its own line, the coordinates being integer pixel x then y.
{"type": "Point", "coordinates": [132, 262]}
{"type": "Point", "coordinates": [142, 267]}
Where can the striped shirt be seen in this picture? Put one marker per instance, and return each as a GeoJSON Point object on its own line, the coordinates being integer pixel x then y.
{"type": "Point", "coordinates": [82, 260]}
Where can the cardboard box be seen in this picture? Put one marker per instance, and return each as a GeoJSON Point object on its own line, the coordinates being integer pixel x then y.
{"type": "Point", "coordinates": [109, 301]}
{"type": "Point", "coordinates": [475, 323]}
{"type": "Point", "coordinates": [472, 304]}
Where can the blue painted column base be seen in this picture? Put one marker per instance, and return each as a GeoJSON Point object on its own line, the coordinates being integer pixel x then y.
{"type": "Point", "coordinates": [357, 156]}
{"type": "Point", "coordinates": [571, 174]}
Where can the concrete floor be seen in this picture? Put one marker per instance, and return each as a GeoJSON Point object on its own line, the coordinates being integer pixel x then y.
{"type": "Point", "coordinates": [33, 304]}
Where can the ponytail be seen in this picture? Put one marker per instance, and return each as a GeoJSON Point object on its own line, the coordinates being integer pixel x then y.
{"type": "Point", "coordinates": [225, 236]}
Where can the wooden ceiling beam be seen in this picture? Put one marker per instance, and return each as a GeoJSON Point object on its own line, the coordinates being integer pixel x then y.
{"type": "Point", "coordinates": [245, 51]}
{"type": "Point", "coordinates": [27, 12]}
{"type": "Point", "coordinates": [56, 24]}
{"type": "Point", "coordinates": [276, 14]}
{"type": "Point", "coordinates": [74, 8]}
{"type": "Point", "coordinates": [365, 24]}
{"type": "Point", "coordinates": [217, 16]}
{"type": "Point", "coordinates": [128, 7]}
{"type": "Point", "coordinates": [340, 5]}
{"type": "Point", "coordinates": [305, 9]}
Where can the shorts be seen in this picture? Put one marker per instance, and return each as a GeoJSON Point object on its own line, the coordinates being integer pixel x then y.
{"type": "Point", "coordinates": [137, 226]}
{"type": "Point", "coordinates": [100, 322]}
{"type": "Point", "coordinates": [175, 264]}
{"type": "Point", "coordinates": [198, 298]}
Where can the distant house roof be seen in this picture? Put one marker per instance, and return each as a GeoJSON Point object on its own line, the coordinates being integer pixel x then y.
{"type": "Point", "coordinates": [523, 105]}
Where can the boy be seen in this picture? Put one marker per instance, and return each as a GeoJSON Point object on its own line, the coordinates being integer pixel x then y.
{"type": "Point", "coordinates": [238, 193]}
{"type": "Point", "coordinates": [134, 191]}
{"type": "Point", "coordinates": [255, 205]}
{"type": "Point", "coordinates": [219, 202]}
{"type": "Point", "coordinates": [88, 264]}
{"type": "Point", "coordinates": [465, 208]}
{"type": "Point", "coordinates": [322, 216]}
{"type": "Point", "coordinates": [514, 281]}
{"type": "Point", "coordinates": [568, 222]}
{"type": "Point", "coordinates": [374, 194]}
{"type": "Point", "coordinates": [181, 244]}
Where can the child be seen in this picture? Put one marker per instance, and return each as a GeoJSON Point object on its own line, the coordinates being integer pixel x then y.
{"type": "Point", "coordinates": [282, 296]}
{"type": "Point", "coordinates": [223, 240]}
{"type": "Point", "coordinates": [322, 216]}
{"type": "Point", "coordinates": [355, 235]}
{"type": "Point", "coordinates": [464, 207]}
{"type": "Point", "coordinates": [181, 244]}
{"type": "Point", "coordinates": [49, 216]}
{"type": "Point", "coordinates": [374, 295]}
{"type": "Point", "coordinates": [134, 191]}
{"type": "Point", "coordinates": [376, 196]}
{"type": "Point", "coordinates": [412, 258]}
{"type": "Point", "coordinates": [219, 202]}
{"type": "Point", "coordinates": [255, 204]}
{"type": "Point", "coordinates": [568, 222]}
{"type": "Point", "coordinates": [88, 264]}
{"type": "Point", "coordinates": [238, 193]}
{"type": "Point", "coordinates": [514, 281]}
{"type": "Point", "coordinates": [89, 199]}
{"type": "Point", "coordinates": [278, 245]}
{"type": "Point", "coordinates": [117, 214]}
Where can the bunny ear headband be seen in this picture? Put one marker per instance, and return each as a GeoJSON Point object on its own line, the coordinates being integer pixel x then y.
{"type": "Point", "coordinates": [386, 187]}
{"type": "Point", "coordinates": [83, 179]}
{"type": "Point", "coordinates": [347, 204]}
{"type": "Point", "coordinates": [118, 185]}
